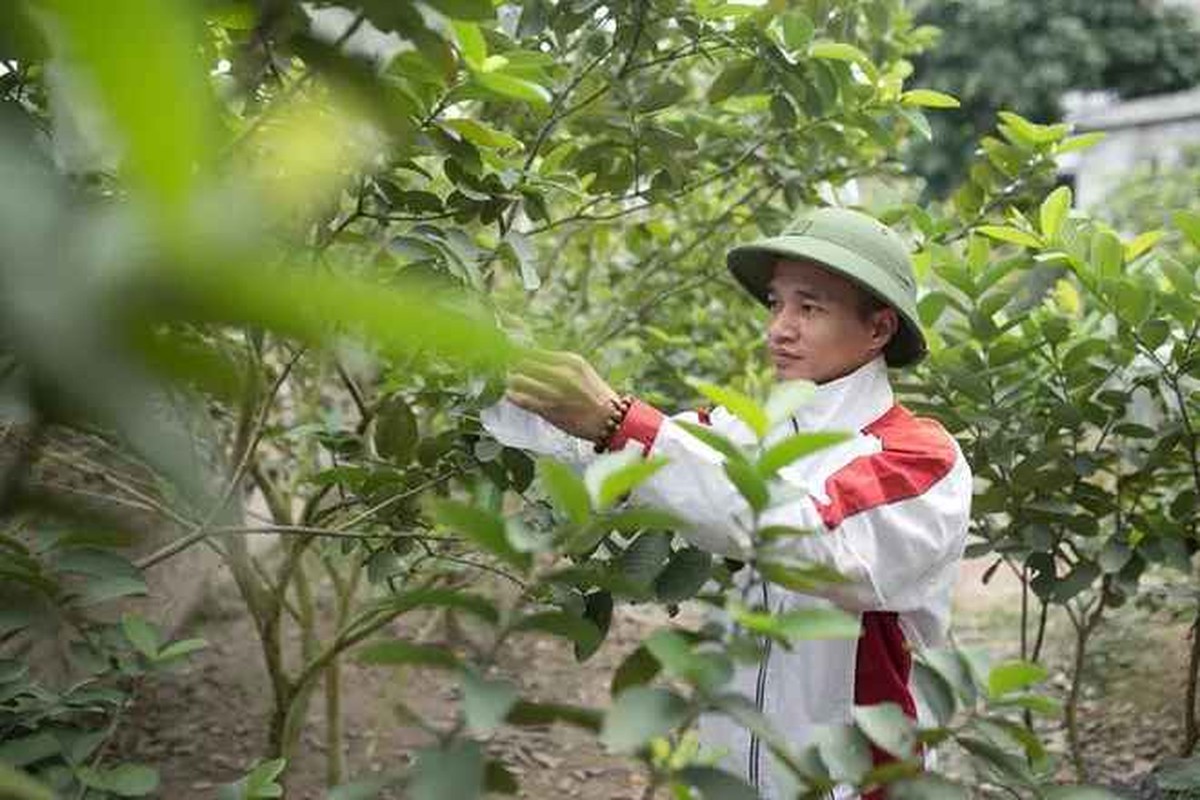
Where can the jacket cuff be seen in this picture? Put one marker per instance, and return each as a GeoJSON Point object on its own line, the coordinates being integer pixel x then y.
{"type": "Point", "coordinates": [641, 424]}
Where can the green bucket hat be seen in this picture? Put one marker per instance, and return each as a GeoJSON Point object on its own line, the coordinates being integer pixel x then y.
{"type": "Point", "coordinates": [854, 245]}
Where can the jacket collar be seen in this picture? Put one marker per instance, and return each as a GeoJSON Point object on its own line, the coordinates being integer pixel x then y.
{"type": "Point", "coordinates": [851, 402]}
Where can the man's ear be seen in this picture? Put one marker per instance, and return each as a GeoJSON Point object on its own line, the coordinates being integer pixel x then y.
{"type": "Point", "coordinates": [884, 324]}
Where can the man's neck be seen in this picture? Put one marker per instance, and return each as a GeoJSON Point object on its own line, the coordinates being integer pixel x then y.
{"type": "Point", "coordinates": [849, 402]}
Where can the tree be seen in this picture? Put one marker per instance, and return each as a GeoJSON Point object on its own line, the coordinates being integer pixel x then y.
{"type": "Point", "coordinates": [1025, 55]}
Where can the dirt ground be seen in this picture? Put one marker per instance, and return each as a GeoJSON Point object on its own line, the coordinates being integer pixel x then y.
{"type": "Point", "coordinates": [205, 724]}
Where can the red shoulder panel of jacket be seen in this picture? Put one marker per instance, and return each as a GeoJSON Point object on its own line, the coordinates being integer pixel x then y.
{"type": "Point", "coordinates": [917, 453]}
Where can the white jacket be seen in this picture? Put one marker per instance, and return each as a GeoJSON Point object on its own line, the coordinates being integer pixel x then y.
{"type": "Point", "coordinates": [893, 503]}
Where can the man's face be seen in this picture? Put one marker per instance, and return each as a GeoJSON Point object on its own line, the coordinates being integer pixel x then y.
{"type": "Point", "coordinates": [821, 326]}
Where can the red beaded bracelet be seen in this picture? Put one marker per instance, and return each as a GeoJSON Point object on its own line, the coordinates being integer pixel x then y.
{"type": "Point", "coordinates": [620, 407]}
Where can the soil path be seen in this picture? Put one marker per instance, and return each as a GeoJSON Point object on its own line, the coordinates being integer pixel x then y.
{"type": "Point", "coordinates": [205, 725]}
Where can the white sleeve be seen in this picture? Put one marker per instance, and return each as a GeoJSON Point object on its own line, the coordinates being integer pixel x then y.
{"type": "Point", "coordinates": [892, 552]}
{"type": "Point", "coordinates": [513, 426]}
{"type": "Point", "coordinates": [896, 520]}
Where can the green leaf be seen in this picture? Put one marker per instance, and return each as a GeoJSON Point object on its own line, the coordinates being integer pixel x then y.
{"type": "Point", "coordinates": [394, 652]}
{"type": "Point", "coordinates": [799, 576]}
{"type": "Point", "coordinates": [797, 29]}
{"type": "Point", "coordinates": [141, 634]}
{"type": "Point", "coordinates": [480, 134]}
{"type": "Point", "coordinates": [497, 778]}
{"type": "Point", "coordinates": [1107, 253]}
{"type": "Point", "coordinates": [927, 787]}
{"type": "Point", "coordinates": [1080, 142]}
{"type": "Point", "coordinates": [181, 648]}
{"type": "Point", "coordinates": [749, 483]}
{"type": "Point", "coordinates": [685, 574]}
{"type": "Point", "coordinates": [632, 520]}
{"type": "Point", "coordinates": [508, 87]}
{"type": "Point", "coordinates": [1007, 233]}
{"type": "Point", "coordinates": [1081, 577]}
{"type": "Point", "coordinates": [16, 785]}
{"type": "Point", "coordinates": [403, 602]}
{"type": "Point", "coordinates": [486, 702]}
{"type": "Point", "coordinates": [918, 120]}
{"type": "Point", "coordinates": [640, 714]}
{"type": "Point", "coordinates": [625, 479]}
{"type": "Point", "coordinates": [845, 752]}
{"type": "Point", "coordinates": [886, 725]}
{"type": "Point", "coordinates": [1038, 704]}
{"type": "Point", "coordinates": [838, 51]}
{"type": "Point", "coordinates": [803, 624]}
{"type": "Point", "coordinates": [935, 692]}
{"type": "Point", "coordinates": [560, 623]}
{"type": "Point", "coordinates": [1012, 675]}
{"type": "Point", "coordinates": [134, 84]}
{"type": "Point", "coordinates": [395, 435]}
{"type": "Point", "coordinates": [1142, 243]}
{"type": "Point", "coordinates": [1053, 211]}
{"type": "Point", "coordinates": [1005, 764]}
{"type": "Point", "coordinates": [464, 9]}
{"type": "Point", "coordinates": [451, 773]}
{"type": "Point", "coordinates": [130, 780]}
{"type": "Point", "coordinates": [110, 589]}
{"type": "Point", "coordinates": [786, 398]}
{"type": "Point", "coordinates": [795, 447]}
{"type": "Point", "coordinates": [929, 98]}
{"type": "Point", "coordinates": [1178, 774]}
{"type": "Point", "coordinates": [598, 610]}
{"type": "Point", "coordinates": [526, 257]}
{"type": "Point", "coordinates": [1188, 222]}
{"type": "Point", "coordinates": [708, 670]}
{"type": "Point", "coordinates": [1021, 131]}
{"type": "Point", "coordinates": [1085, 792]}
{"type": "Point", "coordinates": [483, 527]}
{"type": "Point", "coordinates": [529, 713]}
{"type": "Point", "coordinates": [638, 668]}
{"type": "Point", "coordinates": [716, 441]}
{"type": "Point", "coordinates": [737, 403]}
{"type": "Point", "coordinates": [21, 750]}
{"type": "Point", "coordinates": [715, 784]}
{"type": "Point", "coordinates": [645, 557]}
{"type": "Point", "coordinates": [732, 78]}
{"type": "Point", "coordinates": [565, 489]}
{"type": "Point", "coordinates": [471, 43]}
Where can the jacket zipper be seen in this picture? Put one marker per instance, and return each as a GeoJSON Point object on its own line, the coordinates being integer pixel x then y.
{"type": "Point", "coordinates": [754, 768]}
{"type": "Point", "coordinates": [760, 690]}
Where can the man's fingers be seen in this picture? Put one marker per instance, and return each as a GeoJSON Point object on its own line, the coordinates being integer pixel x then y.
{"type": "Point", "coordinates": [554, 358]}
{"type": "Point", "coordinates": [523, 400]}
{"type": "Point", "coordinates": [539, 391]}
{"type": "Point", "coordinates": [541, 371]}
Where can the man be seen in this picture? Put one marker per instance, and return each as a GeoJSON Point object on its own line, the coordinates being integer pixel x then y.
{"type": "Point", "coordinates": [891, 504]}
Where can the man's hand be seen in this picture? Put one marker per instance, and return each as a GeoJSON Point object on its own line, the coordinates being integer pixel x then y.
{"type": "Point", "coordinates": [562, 388]}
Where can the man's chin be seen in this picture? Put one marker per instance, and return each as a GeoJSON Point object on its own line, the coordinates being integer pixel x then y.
{"type": "Point", "coordinates": [793, 370]}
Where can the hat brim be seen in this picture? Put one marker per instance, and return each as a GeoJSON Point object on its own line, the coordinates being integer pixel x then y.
{"type": "Point", "coordinates": [753, 266]}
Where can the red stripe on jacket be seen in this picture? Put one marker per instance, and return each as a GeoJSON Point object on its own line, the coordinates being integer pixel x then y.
{"type": "Point", "coordinates": [916, 453]}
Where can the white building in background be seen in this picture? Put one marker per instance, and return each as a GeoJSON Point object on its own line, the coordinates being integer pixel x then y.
{"type": "Point", "coordinates": [1146, 130]}
{"type": "Point", "coordinates": [1141, 131]}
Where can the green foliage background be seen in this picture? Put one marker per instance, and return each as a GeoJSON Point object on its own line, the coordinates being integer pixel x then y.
{"type": "Point", "coordinates": [320, 261]}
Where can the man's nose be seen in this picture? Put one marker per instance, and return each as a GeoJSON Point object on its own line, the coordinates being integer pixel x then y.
{"type": "Point", "coordinates": [780, 331]}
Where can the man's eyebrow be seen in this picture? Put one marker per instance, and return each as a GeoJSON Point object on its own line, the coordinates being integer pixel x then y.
{"type": "Point", "coordinates": [808, 294]}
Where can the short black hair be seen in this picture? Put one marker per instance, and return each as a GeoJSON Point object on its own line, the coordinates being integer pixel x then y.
{"type": "Point", "coordinates": [869, 302]}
